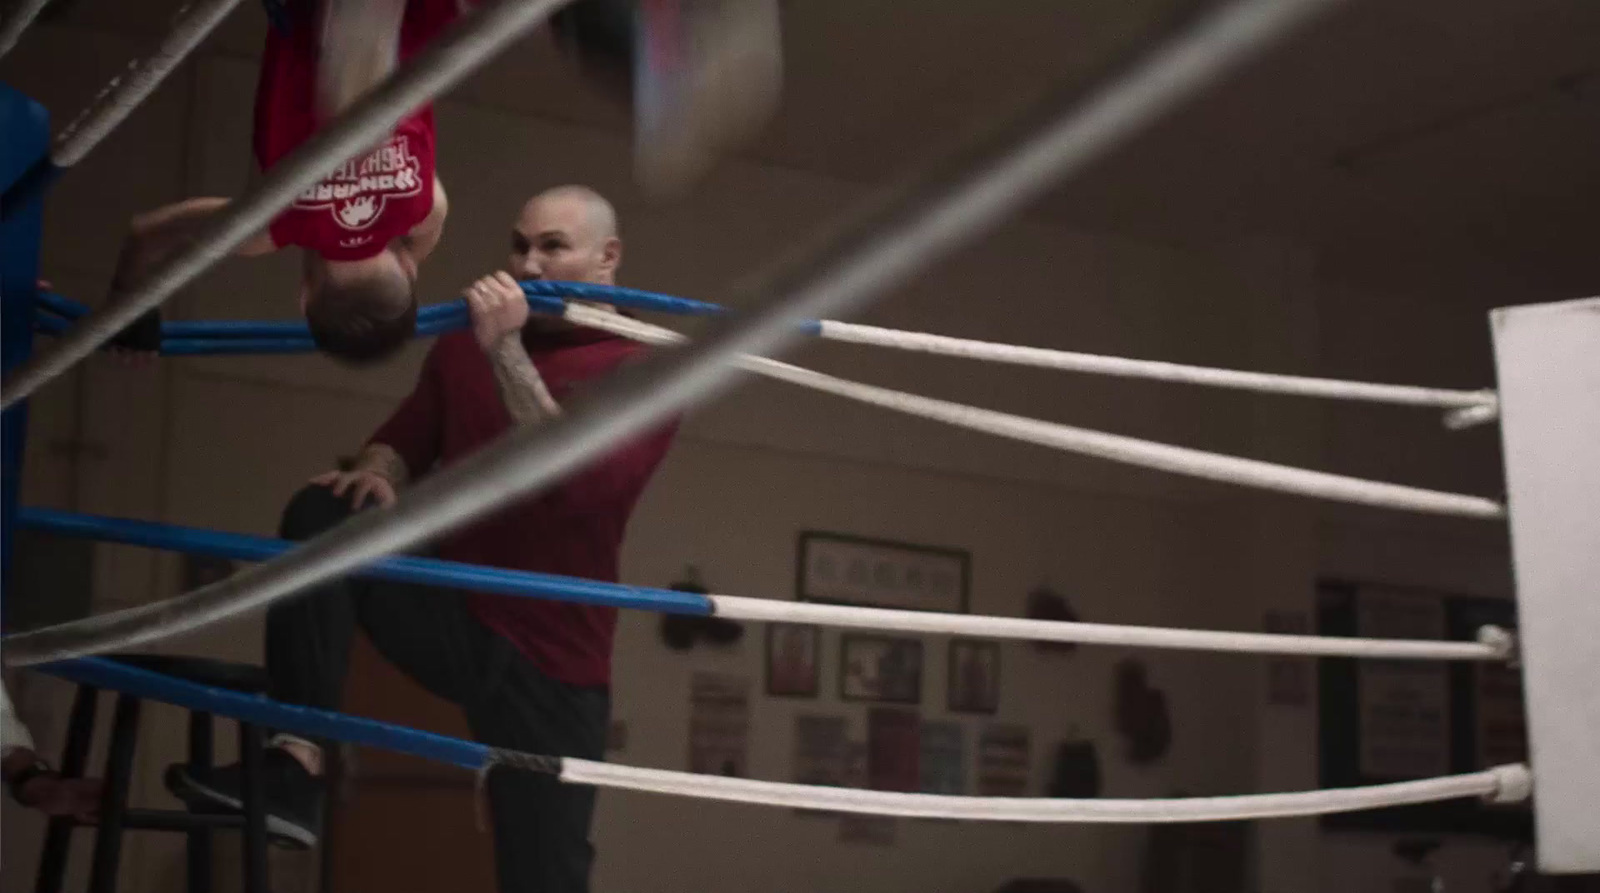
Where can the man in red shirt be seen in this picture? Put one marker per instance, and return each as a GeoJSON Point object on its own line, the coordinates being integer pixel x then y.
{"type": "Point", "coordinates": [529, 674]}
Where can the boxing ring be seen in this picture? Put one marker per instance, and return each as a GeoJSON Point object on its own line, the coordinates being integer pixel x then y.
{"type": "Point", "coordinates": [1549, 369]}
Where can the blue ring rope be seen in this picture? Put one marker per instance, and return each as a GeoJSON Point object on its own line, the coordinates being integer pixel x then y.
{"type": "Point", "coordinates": [60, 304]}
{"type": "Point", "coordinates": [216, 337]}
{"type": "Point", "coordinates": [400, 568]}
{"type": "Point", "coordinates": [309, 722]}
{"type": "Point", "coordinates": [201, 347]}
{"type": "Point", "coordinates": [433, 319]}
{"type": "Point", "coordinates": [194, 338]}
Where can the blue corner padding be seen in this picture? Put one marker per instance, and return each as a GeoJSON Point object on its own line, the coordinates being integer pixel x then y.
{"type": "Point", "coordinates": [405, 569]}
{"type": "Point", "coordinates": [24, 139]}
{"type": "Point", "coordinates": [308, 722]}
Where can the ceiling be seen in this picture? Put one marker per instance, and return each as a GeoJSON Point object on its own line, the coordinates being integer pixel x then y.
{"type": "Point", "coordinates": [1391, 131]}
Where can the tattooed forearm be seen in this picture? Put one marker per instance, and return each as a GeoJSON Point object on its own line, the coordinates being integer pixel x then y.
{"type": "Point", "coordinates": [521, 388]}
{"type": "Point", "coordinates": [384, 462]}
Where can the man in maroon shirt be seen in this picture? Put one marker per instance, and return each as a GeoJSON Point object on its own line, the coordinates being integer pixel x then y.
{"type": "Point", "coordinates": [531, 675]}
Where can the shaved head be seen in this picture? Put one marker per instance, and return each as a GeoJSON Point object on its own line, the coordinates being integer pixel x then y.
{"type": "Point", "coordinates": [567, 233]}
{"type": "Point", "coordinates": [601, 217]}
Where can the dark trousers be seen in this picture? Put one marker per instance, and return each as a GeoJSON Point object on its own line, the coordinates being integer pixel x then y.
{"type": "Point", "coordinates": [541, 827]}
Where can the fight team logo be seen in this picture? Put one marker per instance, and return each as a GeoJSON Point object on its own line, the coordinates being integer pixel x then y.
{"type": "Point", "coordinates": [356, 193]}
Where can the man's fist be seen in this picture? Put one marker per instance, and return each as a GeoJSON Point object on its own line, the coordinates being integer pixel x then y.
{"type": "Point", "coordinates": [499, 309]}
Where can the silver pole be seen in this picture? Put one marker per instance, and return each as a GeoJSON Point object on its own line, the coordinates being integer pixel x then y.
{"type": "Point", "coordinates": [126, 92]}
{"type": "Point", "coordinates": [22, 15]}
{"type": "Point", "coordinates": [463, 49]}
{"type": "Point", "coordinates": [859, 262]}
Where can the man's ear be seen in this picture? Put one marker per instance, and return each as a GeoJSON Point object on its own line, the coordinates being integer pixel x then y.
{"type": "Point", "coordinates": [611, 253]}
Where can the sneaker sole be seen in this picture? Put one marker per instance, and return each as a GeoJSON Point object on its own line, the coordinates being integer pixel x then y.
{"type": "Point", "coordinates": [189, 790]}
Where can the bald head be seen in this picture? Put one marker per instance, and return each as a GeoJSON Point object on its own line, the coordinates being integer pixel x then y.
{"type": "Point", "coordinates": [567, 233]}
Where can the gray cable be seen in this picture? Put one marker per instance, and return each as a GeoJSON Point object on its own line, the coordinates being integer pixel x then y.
{"type": "Point", "coordinates": [22, 15]}
{"type": "Point", "coordinates": [913, 228]}
{"type": "Point", "coordinates": [128, 90]}
{"type": "Point", "coordinates": [468, 44]}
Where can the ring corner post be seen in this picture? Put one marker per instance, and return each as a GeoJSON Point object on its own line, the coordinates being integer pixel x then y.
{"type": "Point", "coordinates": [24, 138]}
{"type": "Point", "coordinates": [1548, 362]}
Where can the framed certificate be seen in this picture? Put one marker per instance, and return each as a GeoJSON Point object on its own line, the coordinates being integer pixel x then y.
{"type": "Point", "coordinates": [852, 570]}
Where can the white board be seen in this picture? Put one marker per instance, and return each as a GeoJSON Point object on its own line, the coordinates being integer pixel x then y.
{"type": "Point", "coordinates": [1548, 357]}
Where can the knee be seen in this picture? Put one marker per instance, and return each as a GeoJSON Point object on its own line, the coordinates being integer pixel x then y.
{"type": "Point", "coordinates": [311, 511]}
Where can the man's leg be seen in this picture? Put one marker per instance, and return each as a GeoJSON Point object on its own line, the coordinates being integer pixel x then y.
{"type": "Point", "coordinates": [308, 653]}
{"type": "Point", "coordinates": [308, 636]}
{"type": "Point", "coordinates": [359, 46]}
{"type": "Point", "coordinates": [541, 826]}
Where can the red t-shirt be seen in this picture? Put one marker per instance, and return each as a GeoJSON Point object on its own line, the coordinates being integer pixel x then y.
{"type": "Point", "coordinates": [371, 200]}
{"type": "Point", "coordinates": [574, 528]}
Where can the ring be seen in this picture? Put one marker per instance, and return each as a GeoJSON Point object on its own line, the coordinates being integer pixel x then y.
{"type": "Point", "coordinates": [1544, 403]}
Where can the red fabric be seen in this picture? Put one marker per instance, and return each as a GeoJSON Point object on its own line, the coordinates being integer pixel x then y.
{"type": "Point", "coordinates": [574, 528]}
{"type": "Point", "coordinates": [371, 200]}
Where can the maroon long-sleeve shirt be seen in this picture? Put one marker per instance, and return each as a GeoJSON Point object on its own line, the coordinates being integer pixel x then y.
{"type": "Point", "coordinates": [574, 528]}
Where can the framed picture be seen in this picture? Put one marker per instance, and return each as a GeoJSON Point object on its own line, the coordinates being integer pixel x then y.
{"type": "Point", "coordinates": [880, 668]}
{"type": "Point", "coordinates": [855, 571]}
{"type": "Point", "coordinates": [974, 676]}
{"type": "Point", "coordinates": [1386, 721]}
{"type": "Point", "coordinates": [794, 664]}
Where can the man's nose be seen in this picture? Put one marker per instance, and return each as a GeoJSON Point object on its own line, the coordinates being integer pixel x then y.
{"type": "Point", "coordinates": [527, 267]}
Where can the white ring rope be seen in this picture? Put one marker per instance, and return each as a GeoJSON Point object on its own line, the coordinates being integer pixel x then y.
{"type": "Point", "coordinates": [1483, 402]}
{"type": "Point", "coordinates": [1493, 643]}
{"type": "Point", "coordinates": [1116, 447]}
{"type": "Point", "coordinates": [1506, 784]}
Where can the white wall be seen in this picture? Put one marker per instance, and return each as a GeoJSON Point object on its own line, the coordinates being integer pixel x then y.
{"type": "Point", "coordinates": [221, 443]}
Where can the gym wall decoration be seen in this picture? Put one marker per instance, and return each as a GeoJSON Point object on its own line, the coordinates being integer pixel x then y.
{"type": "Point", "coordinates": [974, 670]}
{"type": "Point", "coordinates": [794, 660]}
{"type": "Point", "coordinates": [883, 669]}
{"type": "Point", "coordinates": [850, 570]}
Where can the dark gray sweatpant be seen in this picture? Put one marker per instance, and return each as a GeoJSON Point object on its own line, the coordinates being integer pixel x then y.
{"type": "Point", "coordinates": [541, 827]}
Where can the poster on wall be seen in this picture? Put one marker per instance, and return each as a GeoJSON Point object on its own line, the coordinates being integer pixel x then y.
{"type": "Point", "coordinates": [880, 668]}
{"type": "Point", "coordinates": [1003, 761]}
{"type": "Point", "coordinates": [719, 724]}
{"type": "Point", "coordinates": [884, 574]}
{"type": "Point", "coordinates": [873, 830]}
{"type": "Point", "coordinates": [894, 749]}
{"type": "Point", "coordinates": [793, 660]}
{"type": "Point", "coordinates": [1404, 706]}
{"type": "Point", "coordinates": [821, 750]}
{"type": "Point", "coordinates": [941, 765]}
{"type": "Point", "coordinates": [974, 683]}
{"type": "Point", "coordinates": [821, 754]}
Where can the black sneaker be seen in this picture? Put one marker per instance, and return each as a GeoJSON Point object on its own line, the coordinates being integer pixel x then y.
{"type": "Point", "coordinates": [294, 796]}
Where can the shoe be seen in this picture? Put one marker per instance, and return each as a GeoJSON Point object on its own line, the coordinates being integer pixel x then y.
{"type": "Point", "coordinates": [294, 796]}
